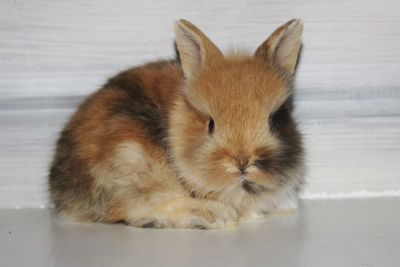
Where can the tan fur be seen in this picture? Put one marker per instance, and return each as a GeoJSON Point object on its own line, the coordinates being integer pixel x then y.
{"type": "Point", "coordinates": [139, 150]}
{"type": "Point", "coordinates": [248, 108]}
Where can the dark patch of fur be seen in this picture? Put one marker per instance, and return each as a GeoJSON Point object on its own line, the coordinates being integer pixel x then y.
{"type": "Point", "coordinates": [177, 55]}
{"type": "Point", "coordinates": [64, 167]}
{"type": "Point", "coordinates": [70, 182]}
{"type": "Point", "coordinates": [138, 106]}
{"type": "Point", "coordinates": [199, 226]}
{"type": "Point", "coordinates": [122, 222]}
{"type": "Point", "coordinates": [251, 187]}
{"type": "Point", "coordinates": [263, 162]}
{"type": "Point", "coordinates": [290, 156]}
{"type": "Point", "coordinates": [151, 224]}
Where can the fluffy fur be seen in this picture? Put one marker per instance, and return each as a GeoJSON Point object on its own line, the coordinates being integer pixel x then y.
{"type": "Point", "coordinates": [202, 142]}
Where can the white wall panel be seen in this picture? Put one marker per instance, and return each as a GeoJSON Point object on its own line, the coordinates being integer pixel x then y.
{"type": "Point", "coordinates": [52, 53]}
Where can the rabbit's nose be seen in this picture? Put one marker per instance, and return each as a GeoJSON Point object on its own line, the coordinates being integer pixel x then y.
{"type": "Point", "coordinates": [242, 169]}
{"type": "Point", "coordinates": [242, 162]}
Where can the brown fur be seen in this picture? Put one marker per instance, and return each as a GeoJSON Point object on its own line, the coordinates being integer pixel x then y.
{"type": "Point", "coordinates": [139, 149]}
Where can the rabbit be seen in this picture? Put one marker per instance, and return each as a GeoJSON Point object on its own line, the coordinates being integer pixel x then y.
{"type": "Point", "coordinates": [203, 141]}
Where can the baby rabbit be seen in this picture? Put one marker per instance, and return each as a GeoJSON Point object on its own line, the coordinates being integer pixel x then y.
{"type": "Point", "coordinates": [205, 141]}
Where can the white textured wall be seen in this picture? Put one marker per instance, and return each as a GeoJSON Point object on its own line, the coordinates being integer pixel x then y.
{"type": "Point", "coordinates": [54, 52]}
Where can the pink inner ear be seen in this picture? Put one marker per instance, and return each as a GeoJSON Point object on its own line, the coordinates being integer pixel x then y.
{"type": "Point", "coordinates": [283, 48]}
{"type": "Point", "coordinates": [194, 47]}
{"type": "Point", "coordinates": [191, 42]}
{"type": "Point", "coordinates": [189, 51]}
{"type": "Point", "coordinates": [287, 48]}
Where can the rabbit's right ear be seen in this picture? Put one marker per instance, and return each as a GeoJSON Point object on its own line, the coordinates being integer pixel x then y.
{"type": "Point", "coordinates": [283, 46]}
{"type": "Point", "coordinates": [194, 47]}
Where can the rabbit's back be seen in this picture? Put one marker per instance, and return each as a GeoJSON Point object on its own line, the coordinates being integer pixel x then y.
{"type": "Point", "coordinates": [131, 108]}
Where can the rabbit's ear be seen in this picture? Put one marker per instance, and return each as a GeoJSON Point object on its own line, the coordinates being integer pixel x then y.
{"type": "Point", "coordinates": [194, 47]}
{"type": "Point", "coordinates": [283, 46]}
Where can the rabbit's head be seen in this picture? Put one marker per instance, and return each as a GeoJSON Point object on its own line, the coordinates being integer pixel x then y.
{"type": "Point", "coordinates": [232, 129]}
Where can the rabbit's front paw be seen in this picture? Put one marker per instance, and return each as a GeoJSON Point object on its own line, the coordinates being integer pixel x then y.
{"type": "Point", "coordinates": [211, 214]}
{"type": "Point", "coordinates": [187, 213]}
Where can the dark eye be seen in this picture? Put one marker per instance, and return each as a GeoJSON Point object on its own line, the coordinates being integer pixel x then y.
{"type": "Point", "coordinates": [211, 126]}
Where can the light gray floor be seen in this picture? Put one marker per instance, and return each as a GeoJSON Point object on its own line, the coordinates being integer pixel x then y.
{"type": "Point", "coordinates": [350, 232]}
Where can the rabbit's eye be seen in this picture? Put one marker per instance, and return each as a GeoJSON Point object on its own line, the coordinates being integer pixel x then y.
{"type": "Point", "coordinates": [211, 126]}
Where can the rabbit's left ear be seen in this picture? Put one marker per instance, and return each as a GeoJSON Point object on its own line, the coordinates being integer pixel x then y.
{"type": "Point", "coordinates": [283, 46]}
{"type": "Point", "coordinates": [194, 47]}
